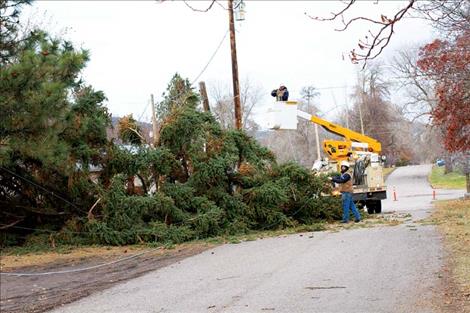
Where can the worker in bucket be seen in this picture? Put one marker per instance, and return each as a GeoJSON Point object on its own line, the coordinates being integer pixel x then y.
{"type": "Point", "coordinates": [346, 189]}
{"type": "Point", "coordinates": [281, 94]}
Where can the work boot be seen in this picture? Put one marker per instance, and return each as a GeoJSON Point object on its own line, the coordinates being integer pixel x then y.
{"type": "Point", "coordinates": [357, 221]}
{"type": "Point", "coordinates": [344, 222]}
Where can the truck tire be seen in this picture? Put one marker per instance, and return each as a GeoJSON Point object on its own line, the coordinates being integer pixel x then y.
{"type": "Point", "coordinates": [378, 207]}
{"type": "Point", "coordinates": [374, 206]}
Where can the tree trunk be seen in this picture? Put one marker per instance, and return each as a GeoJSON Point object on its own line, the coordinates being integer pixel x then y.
{"type": "Point", "coordinates": [448, 163]}
{"type": "Point", "coordinates": [467, 178]}
{"type": "Point", "coordinates": [130, 185]}
{"type": "Point", "coordinates": [467, 173]}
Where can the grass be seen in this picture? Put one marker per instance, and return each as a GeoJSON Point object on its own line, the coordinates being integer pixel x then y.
{"type": "Point", "coordinates": [452, 218]}
{"type": "Point", "coordinates": [31, 255]}
{"type": "Point", "coordinates": [452, 180]}
{"type": "Point", "coordinates": [387, 171]}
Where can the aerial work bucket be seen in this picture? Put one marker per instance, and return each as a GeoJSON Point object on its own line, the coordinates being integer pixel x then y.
{"type": "Point", "coordinates": [282, 115]}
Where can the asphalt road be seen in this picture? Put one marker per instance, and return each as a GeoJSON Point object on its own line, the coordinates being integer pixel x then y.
{"type": "Point", "coordinates": [381, 269]}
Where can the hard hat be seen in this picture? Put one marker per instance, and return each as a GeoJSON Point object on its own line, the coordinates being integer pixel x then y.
{"type": "Point", "coordinates": [344, 163]}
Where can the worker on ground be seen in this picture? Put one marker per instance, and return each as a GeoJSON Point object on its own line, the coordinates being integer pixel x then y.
{"type": "Point", "coordinates": [346, 189]}
{"type": "Point", "coordinates": [281, 94]}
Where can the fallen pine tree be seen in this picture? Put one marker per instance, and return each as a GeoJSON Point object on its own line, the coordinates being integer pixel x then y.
{"type": "Point", "coordinates": [198, 181]}
{"type": "Point", "coordinates": [206, 182]}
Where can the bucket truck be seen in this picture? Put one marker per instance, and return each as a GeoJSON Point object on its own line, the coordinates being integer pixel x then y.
{"type": "Point", "coordinates": [363, 153]}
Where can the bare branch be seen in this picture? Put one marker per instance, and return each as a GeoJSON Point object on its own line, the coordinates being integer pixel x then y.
{"type": "Point", "coordinates": [199, 10]}
{"type": "Point", "coordinates": [335, 15]}
{"type": "Point", "coordinates": [11, 224]}
{"type": "Point", "coordinates": [380, 38]}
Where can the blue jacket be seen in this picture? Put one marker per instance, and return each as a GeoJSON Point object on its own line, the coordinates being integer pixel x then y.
{"type": "Point", "coordinates": [341, 179]}
{"type": "Point", "coordinates": [285, 95]}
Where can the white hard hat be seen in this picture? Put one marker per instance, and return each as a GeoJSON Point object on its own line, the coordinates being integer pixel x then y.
{"type": "Point", "coordinates": [344, 163]}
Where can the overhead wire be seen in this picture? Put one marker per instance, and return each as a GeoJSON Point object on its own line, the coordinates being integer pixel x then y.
{"type": "Point", "coordinates": [82, 269]}
{"type": "Point", "coordinates": [202, 71]}
{"type": "Point", "coordinates": [39, 186]}
{"type": "Point", "coordinates": [144, 111]}
{"type": "Point", "coordinates": [211, 58]}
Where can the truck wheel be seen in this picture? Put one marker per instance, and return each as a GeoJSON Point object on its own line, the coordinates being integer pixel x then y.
{"type": "Point", "coordinates": [373, 206]}
{"type": "Point", "coordinates": [378, 207]}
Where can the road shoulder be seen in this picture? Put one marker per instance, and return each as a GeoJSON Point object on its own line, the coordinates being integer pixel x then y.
{"type": "Point", "coordinates": [452, 219]}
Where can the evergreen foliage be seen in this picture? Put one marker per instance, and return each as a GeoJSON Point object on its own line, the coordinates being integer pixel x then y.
{"type": "Point", "coordinates": [10, 34]}
{"type": "Point", "coordinates": [58, 171]}
{"type": "Point", "coordinates": [211, 182]}
{"type": "Point", "coordinates": [52, 128]}
{"type": "Point", "coordinates": [129, 131]}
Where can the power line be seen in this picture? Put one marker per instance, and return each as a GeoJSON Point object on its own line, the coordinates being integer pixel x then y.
{"type": "Point", "coordinates": [143, 112]}
{"type": "Point", "coordinates": [197, 77]}
{"type": "Point", "coordinates": [211, 58]}
{"type": "Point", "coordinates": [80, 269]}
{"type": "Point", "coordinates": [39, 186]}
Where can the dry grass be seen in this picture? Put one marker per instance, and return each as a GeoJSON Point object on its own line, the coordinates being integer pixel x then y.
{"type": "Point", "coordinates": [34, 258]}
{"type": "Point", "coordinates": [387, 219]}
{"type": "Point", "coordinates": [80, 254]}
{"type": "Point", "coordinates": [453, 221]}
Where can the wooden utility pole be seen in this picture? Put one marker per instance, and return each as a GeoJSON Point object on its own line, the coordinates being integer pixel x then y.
{"type": "Point", "coordinates": [346, 105]}
{"type": "Point", "coordinates": [363, 93]}
{"type": "Point", "coordinates": [205, 99]}
{"type": "Point", "coordinates": [467, 173]}
{"type": "Point", "coordinates": [236, 84]}
{"type": "Point", "coordinates": [154, 122]}
{"type": "Point", "coordinates": [317, 137]}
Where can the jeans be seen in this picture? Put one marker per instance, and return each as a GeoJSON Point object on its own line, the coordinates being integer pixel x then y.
{"type": "Point", "coordinates": [347, 205]}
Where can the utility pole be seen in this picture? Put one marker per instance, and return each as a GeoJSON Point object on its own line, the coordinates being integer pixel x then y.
{"type": "Point", "coordinates": [236, 84]}
{"type": "Point", "coordinates": [205, 99]}
{"type": "Point", "coordinates": [361, 104]}
{"type": "Point", "coordinates": [317, 137]}
{"type": "Point", "coordinates": [154, 122]}
{"type": "Point", "coordinates": [346, 105]}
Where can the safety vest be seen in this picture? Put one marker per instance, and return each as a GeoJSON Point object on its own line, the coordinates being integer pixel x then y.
{"type": "Point", "coordinates": [347, 186]}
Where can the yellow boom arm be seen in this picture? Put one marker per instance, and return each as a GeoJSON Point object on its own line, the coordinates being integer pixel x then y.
{"type": "Point", "coordinates": [354, 141]}
{"type": "Point", "coordinates": [284, 114]}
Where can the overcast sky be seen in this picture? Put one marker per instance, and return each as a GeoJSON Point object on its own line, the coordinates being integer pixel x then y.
{"type": "Point", "coordinates": [136, 46]}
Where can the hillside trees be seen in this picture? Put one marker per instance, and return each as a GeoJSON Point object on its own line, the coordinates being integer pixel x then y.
{"type": "Point", "coordinates": [374, 114]}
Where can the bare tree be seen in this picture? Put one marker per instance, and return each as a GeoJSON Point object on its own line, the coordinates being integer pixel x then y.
{"type": "Point", "coordinates": [420, 99]}
{"type": "Point", "coordinates": [419, 89]}
{"type": "Point", "coordinates": [377, 116]}
{"type": "Point", "coordinates": [223, 108]}
{"type": "Point", "coordinates": [447, 16]}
